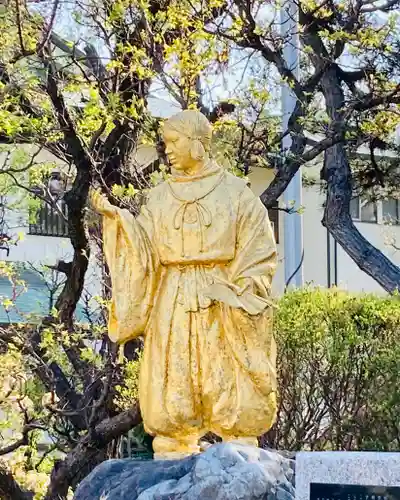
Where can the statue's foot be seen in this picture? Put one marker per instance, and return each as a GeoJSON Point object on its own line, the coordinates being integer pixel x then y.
{"type": "Point", "coordinates": [247, 441]}
{"type": "Point", "coordinates": [167, 448]}
{"type": "Point", "coordinates": [171, 455]}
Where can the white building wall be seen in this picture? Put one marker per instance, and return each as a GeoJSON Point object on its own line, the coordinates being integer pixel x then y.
{"type": "Point", "coordinates": [35, 249]}
{"type": "Point", "coordinates": [350, 277]}
{"type": "Point", "coordinates": [314, 238]}
{"type": "Point", "coordinates": [316, 263]}
{"type": "Point", "coordinates": [260, 179]}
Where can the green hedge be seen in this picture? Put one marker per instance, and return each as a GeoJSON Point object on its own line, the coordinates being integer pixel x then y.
{"type": "Point", "coordinates": [339, 366]}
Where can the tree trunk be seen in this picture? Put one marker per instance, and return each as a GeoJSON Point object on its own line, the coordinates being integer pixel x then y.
{"type": "Point", "coordinates": [337, 219]}
{"type": "Point", "coordinates": [82, 459]}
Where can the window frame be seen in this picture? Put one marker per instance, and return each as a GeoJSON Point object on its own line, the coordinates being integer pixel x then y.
{"type": "Point", "coordinates": [356, 219]}
{"type": "Point", "coordinates": [360, 207]}
{"type": "Point", "coordinates": [273, 214]}
{"type": "Point", "coordinates": [396, 221]}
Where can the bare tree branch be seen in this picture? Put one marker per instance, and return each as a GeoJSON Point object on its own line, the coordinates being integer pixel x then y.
{"type": "Point", "coordinates": [62, 267]}
{"type": "Point", "coordinates": [24, 439]}
{"type": "Point", "coordinates": [371, 101]}
{"type": "Point", "coordinates": [9, 488]}
{"type": "Point", "coordinates": [387, 6]}
{"type": "Point", "coordinates": [46, 34]}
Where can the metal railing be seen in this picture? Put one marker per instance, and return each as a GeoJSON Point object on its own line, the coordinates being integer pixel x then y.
{"type": "Point", "coordinates": [50, 222]}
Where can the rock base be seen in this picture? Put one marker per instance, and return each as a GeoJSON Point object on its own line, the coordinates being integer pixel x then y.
{"type": "Point", "coordinates": [223, 472]}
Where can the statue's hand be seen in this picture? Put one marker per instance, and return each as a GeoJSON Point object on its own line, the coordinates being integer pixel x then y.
{"type": "Point", "coordinates": [99, 203]}
{"type": "Point", "coordinates": [239, 296]}
{"type": "Point", "coordinates": [245, 285]}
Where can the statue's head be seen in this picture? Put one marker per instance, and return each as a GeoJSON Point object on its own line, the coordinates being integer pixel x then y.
{"type": "Point", "coordinates": [187, 137]}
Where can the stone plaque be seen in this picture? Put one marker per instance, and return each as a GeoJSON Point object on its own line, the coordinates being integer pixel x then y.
{"type": "Point", "coordinates": [341, 475]}
{"type": "Point", "coordinates": [323, 491]}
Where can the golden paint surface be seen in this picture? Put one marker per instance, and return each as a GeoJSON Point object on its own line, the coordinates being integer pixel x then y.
{"type": "Point", "coordinates": [192, 273]}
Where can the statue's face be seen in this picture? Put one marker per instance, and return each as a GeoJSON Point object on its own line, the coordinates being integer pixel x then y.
{"type": "Point", "coordinates": [177, 147]}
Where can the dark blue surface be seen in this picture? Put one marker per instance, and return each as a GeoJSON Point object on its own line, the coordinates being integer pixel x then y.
{"type": "Point", "coordinates": [319, 491]}
{"type": "Point", "coordinates": [34, 301]}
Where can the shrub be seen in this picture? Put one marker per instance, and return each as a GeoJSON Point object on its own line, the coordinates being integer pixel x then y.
{"type": "Point", "coordinates": [339, 365]}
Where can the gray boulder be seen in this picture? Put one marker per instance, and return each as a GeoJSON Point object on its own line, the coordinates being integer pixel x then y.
{"type": "Point", "coordinates": [223, 472]}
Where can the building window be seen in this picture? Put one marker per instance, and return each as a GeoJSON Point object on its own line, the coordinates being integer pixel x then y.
{"type": "Point", "coordinates": [363, 210]}
{"type": "Point", "coordinates": [391, 211]}
{"type": "Point", "coordinates": [273, 214]}
{"type": "Point", "coordinates": [51, 221]}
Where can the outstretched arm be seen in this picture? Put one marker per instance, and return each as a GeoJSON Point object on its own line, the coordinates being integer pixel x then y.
{"type": "Point", "coordinates": [133, 265]}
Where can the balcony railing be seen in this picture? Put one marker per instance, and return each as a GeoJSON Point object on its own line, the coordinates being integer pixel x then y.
{"type": "Point", "coordinates": [50, 222]}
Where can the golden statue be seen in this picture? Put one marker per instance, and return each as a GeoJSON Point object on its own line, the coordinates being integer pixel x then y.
{"type": "Point", "coordinates": [193, 274]}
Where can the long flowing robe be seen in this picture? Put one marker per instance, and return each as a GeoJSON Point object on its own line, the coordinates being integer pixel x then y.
{"type": "Point", "coordinates": [193, 274]}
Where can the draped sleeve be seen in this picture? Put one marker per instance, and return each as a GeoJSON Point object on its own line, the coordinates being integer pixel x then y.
{"type": "Point", "coordinates": [248, 284]}
{"type": "Point", "coordinates": [133, 264]}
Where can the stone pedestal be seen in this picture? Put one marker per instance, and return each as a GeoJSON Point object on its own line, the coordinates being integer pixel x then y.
{"type": "Point", "coordinates": [223, 472]}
